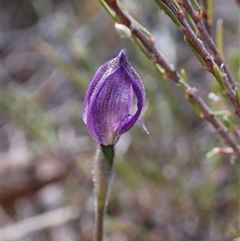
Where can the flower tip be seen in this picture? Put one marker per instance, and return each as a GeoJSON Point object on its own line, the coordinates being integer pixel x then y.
{"type": "Point", "coordinates": [123, 53]}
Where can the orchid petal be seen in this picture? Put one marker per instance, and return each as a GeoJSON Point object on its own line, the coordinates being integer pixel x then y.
{"type": "Point", "coordinates": [109, 99]}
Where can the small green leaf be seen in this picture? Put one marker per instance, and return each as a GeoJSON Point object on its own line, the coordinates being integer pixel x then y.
{"type": "Point", "coordinates": [218, 76]}
{"type": "Point", "coordinates": [195, 4]}
{"type": "Point", "coordinates": [195, 108]}
{"type": "Point", "coordinates": [184, 75]}
{"type": "Point", "coordinates": [237, 94]}
{"type": "Point", "coordinates": [213, 152]}
{"type": "Point", "coordinates": [190, 21]}
{"type": "Point", "coordinates": [168, 11]}
{"type": "Point", "coordinates": [109, 10]}
{"type": "Point", "coordinates": [195, 52]}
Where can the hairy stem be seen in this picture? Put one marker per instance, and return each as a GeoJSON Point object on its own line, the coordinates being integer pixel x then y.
{"type": "Point", "coordinates": [102, 170]}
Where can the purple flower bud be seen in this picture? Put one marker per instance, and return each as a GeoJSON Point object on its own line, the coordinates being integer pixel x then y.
{"type": "Point", "coordinates": [109, 99]}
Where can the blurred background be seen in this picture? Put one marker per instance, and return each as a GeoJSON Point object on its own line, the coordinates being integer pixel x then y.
{"type": "Point", "coordinates": [164, 186]}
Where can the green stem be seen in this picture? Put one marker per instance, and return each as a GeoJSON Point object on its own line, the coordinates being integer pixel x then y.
{"type": "Point", "coordinates": [102, 170]}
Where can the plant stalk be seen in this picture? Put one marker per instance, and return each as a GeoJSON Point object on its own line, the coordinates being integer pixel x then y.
{"type": "Point", "coordinates": [102, 173]}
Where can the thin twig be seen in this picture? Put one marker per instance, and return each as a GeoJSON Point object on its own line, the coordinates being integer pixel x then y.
{"type": "Point", "coordinates": [202, 51]}
{"type": "Point", "coordinates": [204, 35]}
{"type": "Point", "coordinates": [171, 73]}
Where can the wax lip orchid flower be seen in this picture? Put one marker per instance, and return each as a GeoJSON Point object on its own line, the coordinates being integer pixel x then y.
{"type": "Point", "coordinates": [109, 99]}
{"type": "Point", "coordinates": [107, 114]}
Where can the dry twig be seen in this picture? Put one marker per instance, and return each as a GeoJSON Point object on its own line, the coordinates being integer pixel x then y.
{"type": "Point", "coordinates": [200, 48]}
{"type": "Point", "coordinates": [206, 38]}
